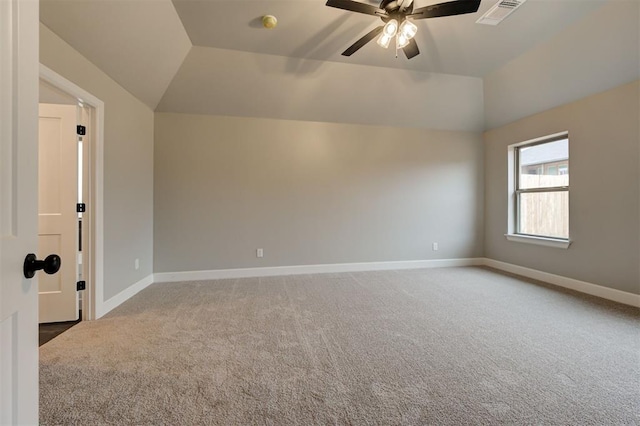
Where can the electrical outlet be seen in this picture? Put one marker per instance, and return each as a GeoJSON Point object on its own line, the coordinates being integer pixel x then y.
{"type": "Point", "coordinates": [136, 264]}
{"type": "Point", "coordinates": [259, 253]}
{"type": "Point", "coordinates": [434, 246]}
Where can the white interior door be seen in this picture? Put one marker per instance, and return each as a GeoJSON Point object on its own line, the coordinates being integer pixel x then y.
{"type": "Point", "coordinates": [18, 210]}
{"type": "Point", "coordinates": [57, 217]}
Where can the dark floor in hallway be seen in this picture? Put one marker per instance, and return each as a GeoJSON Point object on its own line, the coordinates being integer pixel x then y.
{"type": "Point", "coordinates": [54, 329]}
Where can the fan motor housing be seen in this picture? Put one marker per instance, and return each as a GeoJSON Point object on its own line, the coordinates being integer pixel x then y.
{"type": "Point", "coordinates": [393, 10]}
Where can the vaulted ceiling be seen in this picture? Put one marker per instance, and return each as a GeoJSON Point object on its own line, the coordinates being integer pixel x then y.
{"type": "Point", "coordinates": [308, 29]}
{"type": "Point", "coordinates": [214, 56]}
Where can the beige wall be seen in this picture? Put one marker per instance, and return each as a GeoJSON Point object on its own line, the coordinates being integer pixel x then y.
{"type": "Point", "coordinates": [128, 165]}
{"type": "Point", "coordinates": [604, 204]}
{"type": "Point", "coordinates": [311, 193]}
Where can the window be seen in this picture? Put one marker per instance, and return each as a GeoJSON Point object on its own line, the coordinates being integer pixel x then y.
{"type": "Point", "coordinates": [540, 191]}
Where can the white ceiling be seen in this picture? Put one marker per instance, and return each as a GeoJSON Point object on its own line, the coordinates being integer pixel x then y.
{"type": "Point", "coordinates": [309, 29]}
{"type": "Point", "coordinates": [214, 57]}
{"type": "Point", "coordinates": [598, 53]}
{"type": "Point", "coordinates": [228, 82]}
{"type": "Point", "coordinates": [139, 43]}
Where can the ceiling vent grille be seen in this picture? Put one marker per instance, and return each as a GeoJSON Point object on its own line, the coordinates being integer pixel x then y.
{"type": "Point", "coordinates": [499, 12]}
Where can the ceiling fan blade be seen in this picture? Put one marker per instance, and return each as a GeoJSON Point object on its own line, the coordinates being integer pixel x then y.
{"type": "Point", "coordinates": [364, 40]}
{"type": "Point", "coordinates": [404, 4]}
{"type": "Point", "coordinates": [456, 7]}
{"type": "Point", "coordinates": [354, 6]}
{"type": "Point", "coordinates": [411, 49]}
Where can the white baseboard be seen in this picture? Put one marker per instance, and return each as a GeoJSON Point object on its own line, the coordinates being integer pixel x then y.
{"type": "Point", "coordinates": [214, 274]}
{"type": "Point", "coordinates": [570, 283]}
{"type": "Point", "coordinates": [108, 305]}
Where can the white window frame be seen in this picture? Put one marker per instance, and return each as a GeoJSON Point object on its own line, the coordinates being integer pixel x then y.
{"type": "Point", "coordinates": [512, 205]}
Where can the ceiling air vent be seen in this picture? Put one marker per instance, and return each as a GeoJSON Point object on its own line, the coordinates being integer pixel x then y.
{"type": "Point", "coordinates": [499, 12]}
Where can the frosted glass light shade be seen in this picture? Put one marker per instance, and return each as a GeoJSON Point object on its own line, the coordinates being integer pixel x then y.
{"type": "Point", "coordinates": [401, 41]}
{"type": "Point", "coordinates": [408, 29]}
{"type": "Point", "coordinates": [391, 28]}
{"type": "Point", "coordinates": [384, 40]}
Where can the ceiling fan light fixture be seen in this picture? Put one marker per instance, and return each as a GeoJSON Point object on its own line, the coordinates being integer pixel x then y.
{"type": "Point", "coordinates": [390, 28]}
{"type": "Point", "coordinates": [402, 41]}
{"type": "Point", "coordinates": [393, 11]}
{"type": "Point", "coordinates": [408, 29]}
{"type": "Point", "coordinates": [384, 40]}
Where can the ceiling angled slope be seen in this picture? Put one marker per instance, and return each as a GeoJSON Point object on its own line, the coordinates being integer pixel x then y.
{"type": "Point", "coordinates": [594, 54]}
{"type": "Point", "coordinates": [295, 71]}
{"type": "Point", "coordinates": [140, 44]}
{"type": "Point", "coordinates": [228, 82]}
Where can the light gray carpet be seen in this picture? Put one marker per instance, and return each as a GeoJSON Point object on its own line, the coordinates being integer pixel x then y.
{"type": "Point", "coordinates": [433, 346]}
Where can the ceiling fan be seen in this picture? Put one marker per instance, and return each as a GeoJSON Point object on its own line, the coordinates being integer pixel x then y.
{"type": "Point", "coordinates": [397, 16]}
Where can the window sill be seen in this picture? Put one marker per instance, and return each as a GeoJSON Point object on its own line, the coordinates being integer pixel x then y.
{"type": "Point", "coordinates": [541, 241]}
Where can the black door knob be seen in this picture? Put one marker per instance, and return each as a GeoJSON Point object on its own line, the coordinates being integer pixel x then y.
{"type": "Point", "coordinates": [50, 265]}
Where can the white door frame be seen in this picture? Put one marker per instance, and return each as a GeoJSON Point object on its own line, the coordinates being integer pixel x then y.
{"type": "Point", "coordinates": [93, 300]}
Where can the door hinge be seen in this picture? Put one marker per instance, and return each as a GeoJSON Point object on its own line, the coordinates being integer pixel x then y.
{"type": "Point", "coordinates": [81, 208]}
{"type": "Point", "coordinates": [81, 130]}
{"type": "Point", "coordinates": [81, 285]}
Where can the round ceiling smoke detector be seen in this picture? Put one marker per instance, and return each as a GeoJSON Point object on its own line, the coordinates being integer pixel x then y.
{"type": "Point", "coordinates": [269, 21]}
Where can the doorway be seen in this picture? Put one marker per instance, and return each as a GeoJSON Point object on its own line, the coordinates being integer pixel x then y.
{"type": "Point", "coordinates": [58, 223]}
{"type": "Point", "coordinates": [82, 167]}
{"type": "Point", "coordinates": [60, 182]}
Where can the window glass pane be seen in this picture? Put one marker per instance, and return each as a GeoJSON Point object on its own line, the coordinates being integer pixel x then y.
{"type": "Point", "coordinates": [544, 214]}
{"type": "Point", "coordinates": [545, 165]}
